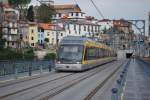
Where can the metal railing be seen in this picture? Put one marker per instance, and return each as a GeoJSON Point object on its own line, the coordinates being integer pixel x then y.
{"type": "Point", "coordinates": [25, 66]}
{"type": "Point", "coordinates": [117, 92]}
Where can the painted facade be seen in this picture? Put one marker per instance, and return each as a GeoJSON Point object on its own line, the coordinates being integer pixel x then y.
{"type": "Point", "coordinates": [33, 34]}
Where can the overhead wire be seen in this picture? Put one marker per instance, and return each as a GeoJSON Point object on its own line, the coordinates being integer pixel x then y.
{"type": "Point", "coordinates": [98, 10]}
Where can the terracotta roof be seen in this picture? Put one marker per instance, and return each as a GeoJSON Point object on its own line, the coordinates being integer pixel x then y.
{"type": "Point", "coordinates": [67, 8]}
{"type": "Point", "coordinates": [45, 26]}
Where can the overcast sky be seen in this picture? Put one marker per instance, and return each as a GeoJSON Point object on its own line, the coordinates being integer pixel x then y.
{"type": "Point", "coordinates": [112, 9]}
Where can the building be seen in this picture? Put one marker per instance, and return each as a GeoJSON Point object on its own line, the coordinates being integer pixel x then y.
{"type": "Point", "coordinates": [23, 29]}
{"type": "Point", "coordinates": [41, 36]}
{"type": "Point", "coordinates": [123, 25]}
{"type": "Point", "coordinates": [71, 18]}
{"type": "Point", "coordinates": [79, 28]}
{"type": "Point", "coordinates": [56, 34]}
{"type": "Point", "coordinates": [52, 32]}
{"type": "Point", "coordinates": [70, 11]}
{"type": "Point", "coordinates": [149, 24]}
{"type": "Point", "coordinates": [10, 26]}
{"type": "Point", "coordinates": [105, 25]}
{"type": "Point", "coordinates": [33, 34]}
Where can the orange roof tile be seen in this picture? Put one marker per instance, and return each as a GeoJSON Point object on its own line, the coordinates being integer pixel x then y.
{"type": "Point", "coordinates": [46, 26]}
{"type": "Point", "coordinates": [67, 8]}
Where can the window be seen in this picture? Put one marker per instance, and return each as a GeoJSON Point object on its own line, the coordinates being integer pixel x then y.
{"type": "Point", "coordinates": [71, 14]}
{"type": "Point", "coordinates": [68, 27]}
{"type": "Point", "coordinates": [32, 38]}
{"type": "Point", "coordinates": [48, 34]}
{"type": "Point", "coordinates": [61, 34]}
{"type": "Point", "coordinates": [53, 33]}
{"type": "Point", "coordinates": [39, 29]}
{"type": "Point", "coordinates": [88, 28]}
{"type": "Point", "coordinates": [79, 28]}
{"type": "Point", "coordinates": [32, 44]}
{"type": "Point", "coordinates": [90, 53]}
{"type": "Point", "coordinates": [77, 14]}
{"type": "Point", "coordinates": [32, 31]}
{"type": "Point", "coordinates": [92, 29]}
{"type": "Point", "coordinates": [59, 14]}
{"type": "Point", "coordinates": [42, 30]}
{"type": "Point", "coordinates": [84, 28]}
{"type": "Point", "coordinates": [74, 27]}
{"type": "Point", "coordinates": [95, 28]}
{"type": "Point", "coordinates": [12, 43]}
{"type": "Point", "coordinates": [21, 36]}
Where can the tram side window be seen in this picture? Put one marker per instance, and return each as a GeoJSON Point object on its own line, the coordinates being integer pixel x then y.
{"type": "Point", "coordinates": [90, 54]}
{"type": "Point", "coordinates": [100, 53]}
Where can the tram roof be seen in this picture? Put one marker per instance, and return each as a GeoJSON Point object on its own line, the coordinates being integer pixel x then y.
{"type": "Point", "coordinates": [81, 41]}
{"type": "Point", "coordinates": [75, 40]}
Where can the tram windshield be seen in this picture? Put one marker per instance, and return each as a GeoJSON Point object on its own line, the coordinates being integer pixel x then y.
{"type": "Point", "coordinates": [70, 53]}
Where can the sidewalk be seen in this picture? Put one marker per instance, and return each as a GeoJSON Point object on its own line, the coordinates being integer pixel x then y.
{"type": "Point", "coordinates": [138, 81]}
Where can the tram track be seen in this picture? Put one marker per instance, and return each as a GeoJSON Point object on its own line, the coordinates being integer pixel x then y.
{"type": "Point", "coordinates": [34, 86]}
{"type": "Point", "coordinates": [53, 92]}
{"type": "Point", "coordinates": [101, 84]}
{"type": "Point", "coordinates": [58, 89]}
{"type": "Point", "coordinates": [18, 81]}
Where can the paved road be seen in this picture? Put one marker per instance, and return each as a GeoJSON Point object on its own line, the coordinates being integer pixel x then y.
{"type": "Point", "coordinates": [78, 91]}
{"type": "Point", "coordinates": [138, 81]}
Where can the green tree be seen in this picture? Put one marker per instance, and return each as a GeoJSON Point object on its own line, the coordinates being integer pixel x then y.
{"type": "Point", "coordinates": [2, 43]}
{"type": "Point", "coordinates": [30, 14]}
{"type": "Point", "coordinates": [21, 5]}
{"type": "Point", "coordinates": [46, 40]}
{"type": "Point", "coordinates": [44, 13]}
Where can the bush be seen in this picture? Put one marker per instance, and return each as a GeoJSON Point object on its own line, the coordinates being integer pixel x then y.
{"type": "Point", "coordinates": [50, 56]}
{"type": "Point", "coordinates": [29, 51]}
{"type": "Point", "coordinates": [11, 54]}
{"type": "Point", "coordinates": [28, 56]}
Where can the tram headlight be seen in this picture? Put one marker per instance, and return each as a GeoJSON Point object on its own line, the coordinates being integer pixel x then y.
{"type": "Point", "coordinates": [58, 62]}
{"type": "Point", "coordinates": [78, 62]}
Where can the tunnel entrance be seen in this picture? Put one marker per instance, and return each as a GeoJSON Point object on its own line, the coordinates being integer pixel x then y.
{"type": "Point", "coordinates": [128, 55]}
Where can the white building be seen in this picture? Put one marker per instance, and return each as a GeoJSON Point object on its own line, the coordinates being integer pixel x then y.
{"type": "Point", "coordinates": [105, 24]}
{"type": "Point", "coordinates": [10, 26]}
{"type": "Point", "coordinates": [149, 24]}
{"type": "Point", "coordinates": [53, 33]}
{"type": "Point", "coordinates": [74, 22]}
{"type": "Point", "coordinates": [79, 28]}
{"type": "Point", "coordinates": [72, 12]}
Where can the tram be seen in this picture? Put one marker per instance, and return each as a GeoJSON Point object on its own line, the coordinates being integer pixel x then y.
{"type": "Point", "coordinates": [81, 53]}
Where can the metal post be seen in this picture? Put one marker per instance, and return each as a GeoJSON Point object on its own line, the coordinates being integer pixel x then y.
{"type": "Point", "coordinates": [119, 87]}
{"type": "Point", "coordinates": [16, 72]}
{"type": "Point", "coordinates": [114, 94]}
{"type": "Point", "coordinates": [41, 69]}
{"type": "Point", "coordinates": [30, 70]}
{"type": "Point", "coordinates": [49, 67]}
